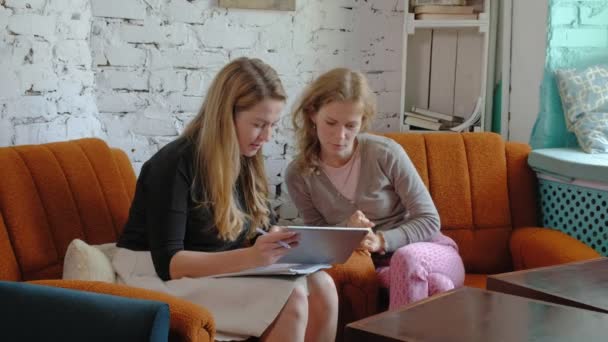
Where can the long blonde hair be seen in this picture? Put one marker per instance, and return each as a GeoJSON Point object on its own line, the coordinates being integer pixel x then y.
{"type": "Point", "coordinates": [339, 84]}
{"type": "Point", "coordinates": [240, 85]}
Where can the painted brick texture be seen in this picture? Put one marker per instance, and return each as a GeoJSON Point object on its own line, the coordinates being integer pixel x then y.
{"type": "Point", "coordinates": [577, 37]}
{"type": "Point", "coordinates": [133, 72]}
{"type": "Point", "coordinates": [577, 26]}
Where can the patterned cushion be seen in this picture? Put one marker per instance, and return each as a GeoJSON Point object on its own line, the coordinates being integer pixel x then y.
{"type": "Point", "coordinates": [584, 95]}
{"type": "Point", "coordinates": [592, 132]}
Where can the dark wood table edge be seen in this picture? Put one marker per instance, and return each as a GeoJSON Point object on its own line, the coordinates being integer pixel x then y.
{"type": "Point", "coordinates": [362, 335]}
{"type": "Point", "coordinates": [497, 283]}
{"type": "Point", "coordinates": [355, 331]}
{"type": "Point", "coordinates": [528, 270]}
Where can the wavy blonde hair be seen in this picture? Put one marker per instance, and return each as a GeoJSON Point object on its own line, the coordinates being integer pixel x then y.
{"type": "Point", "coordinates": [219, 165]}
{"type": "Point", "coordinates": [340, 84]}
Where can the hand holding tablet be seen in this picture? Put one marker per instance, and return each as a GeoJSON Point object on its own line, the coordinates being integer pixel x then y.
{"type": "Point", "coordinates": [282, 243]}
{"type": "Point", "coordinates": [318, 248]}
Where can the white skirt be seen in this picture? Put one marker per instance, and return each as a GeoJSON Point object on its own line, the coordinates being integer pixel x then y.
{"type": "Point", "coordinates": [241, 306]}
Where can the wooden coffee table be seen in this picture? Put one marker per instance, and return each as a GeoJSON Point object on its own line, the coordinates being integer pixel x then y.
{"type": "Point", "coordinates": [470, 314]}
{"type": "Point", "coordinates": [582, 284]}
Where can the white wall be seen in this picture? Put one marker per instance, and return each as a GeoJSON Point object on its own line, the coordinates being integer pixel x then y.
{"type": "Point", "coordinates": [135, 71]}
{"type": "Point", "coordinates": [47, 78]}
{"type": "Point", "coordinates": [529, 43]}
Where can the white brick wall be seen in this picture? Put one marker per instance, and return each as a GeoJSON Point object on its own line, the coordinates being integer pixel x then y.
{"type": "Point", "coordinates": [110, 102]}
{"type": "Point", "coordinates": [134, 72]}
{"type": "Point", "coordinates": [32, 24]}
{"type": "Point", "coordinates": [31, 107]}
{"type": "Point", "coordinates": [46, 76]}
{"type": "Point", "coordinates": [184, 12]}
{"type": "Point", "coordinates": [25, 4]}
{"type": "Point", "coordinates": [123, 55]}
{"type": "Point", "coordinates": [37, 78]}
{"type": "Point", "coordinates": [122, 79]}
{"type": "Point", "coordinates": [127, 9]}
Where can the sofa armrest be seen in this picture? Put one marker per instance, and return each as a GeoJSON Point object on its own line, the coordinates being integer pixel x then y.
{"type": "Point", "coordinates": [357, 272]}
{"type": "Point", "coordinates": [189, 322]}
{"type": "Point", "coordinates": [127, 174]}
{"type": "Point", "coordinates": [357, 287]}
{"type": "Point", "coordinates": [533, 247]}
{"type": "Point", "coordinates": [29, 312]}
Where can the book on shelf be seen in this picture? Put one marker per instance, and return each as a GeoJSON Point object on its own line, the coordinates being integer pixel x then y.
{"type": "Point", "coordinates": [439, 2]}
{"type": "Point", "coordinates": [420, 116]}
{"type": "Point", "coordinates": [441, 9]}
{"type": "Point", "coordinates": [441, 16]}
{"type": "Point", "coordinates": [422, 123]}
{"type": "Point", "coordinates": [435, 115]}
{"type": "Point", "coordinates": [472, 120]}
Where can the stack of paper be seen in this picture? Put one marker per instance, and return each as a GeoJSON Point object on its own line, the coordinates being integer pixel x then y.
{"type": "Point", "coordinates": [278, 269]}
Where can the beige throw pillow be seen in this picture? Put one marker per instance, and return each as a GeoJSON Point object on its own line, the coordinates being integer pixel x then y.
{"type": "Point", "coordinates": [86, 262]}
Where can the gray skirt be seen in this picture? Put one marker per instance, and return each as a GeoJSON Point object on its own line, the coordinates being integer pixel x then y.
{"type": "Point", "coordinates": [241, 306]}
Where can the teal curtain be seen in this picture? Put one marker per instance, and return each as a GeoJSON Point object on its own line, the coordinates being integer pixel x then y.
{"type": "Point", "coordinates": [550, 127]}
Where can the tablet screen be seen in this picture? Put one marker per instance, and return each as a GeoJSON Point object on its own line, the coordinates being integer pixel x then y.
{"type": "Point", "coordinates": [324, 245]}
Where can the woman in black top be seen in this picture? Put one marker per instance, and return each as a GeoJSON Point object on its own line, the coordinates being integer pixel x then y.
{"type": "Point", "coordinates": [197, 204]}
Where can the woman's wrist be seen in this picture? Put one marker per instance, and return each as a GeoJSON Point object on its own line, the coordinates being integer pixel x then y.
{"type": "Point", "coordinates": [382, 249]}
{"type": "Point", "coordinates": [251, 258]}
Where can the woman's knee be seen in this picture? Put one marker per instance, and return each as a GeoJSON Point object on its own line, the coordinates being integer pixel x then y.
{"type": "Point", "coordinates": [407, 256]}
{"type": "Point", "coordinates": [322, 282]}
{"type": "Point", "coordinates": [296, 307]}
{"type": "Point", "coordinates": [323, 289]}
{"type": "Point", "coordinates": [432, 258]}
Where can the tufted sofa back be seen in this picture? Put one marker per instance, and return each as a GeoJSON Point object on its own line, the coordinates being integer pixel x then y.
{"type": "Point", "coordinates": [482, 187]}
{"type": "Point", "coordinates": [53, 193]}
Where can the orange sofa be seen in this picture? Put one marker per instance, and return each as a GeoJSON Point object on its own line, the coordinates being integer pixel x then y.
{"type": "Point", "coordinates": [482, 186]}
{"type": "Point", "coordinates": [485, 193]}
{"type": "Point", "coordinates": [53, 193]}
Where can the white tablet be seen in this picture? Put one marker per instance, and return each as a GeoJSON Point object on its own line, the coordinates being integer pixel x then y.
{"type": "Point", "coordinates": [324, 245]}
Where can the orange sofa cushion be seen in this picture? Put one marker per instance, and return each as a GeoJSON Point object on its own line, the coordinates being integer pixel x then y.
{"type": "Point", "coordinates": [466, 175]}
{"type": "Point", "coordinates": [54, 193]}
